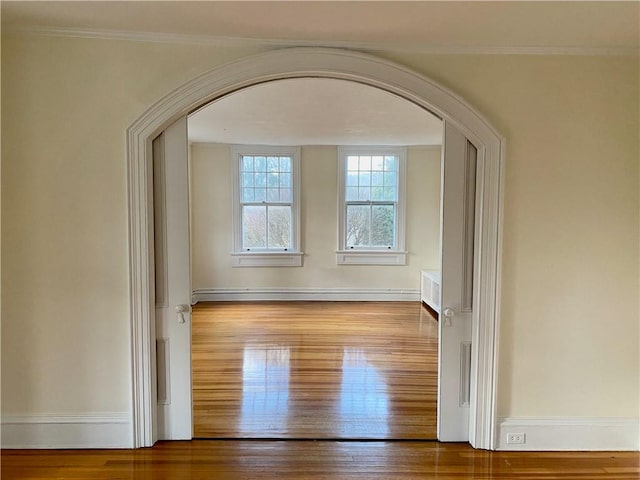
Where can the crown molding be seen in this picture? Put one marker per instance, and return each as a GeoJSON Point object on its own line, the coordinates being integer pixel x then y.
{"type": "Point", "coordinates": [240, 42]}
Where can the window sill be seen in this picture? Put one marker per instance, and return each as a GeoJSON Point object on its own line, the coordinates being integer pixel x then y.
{"type": "Point", "coordinates": [371, 257]}
{"type": "Point", "coordinates": [266, 259]}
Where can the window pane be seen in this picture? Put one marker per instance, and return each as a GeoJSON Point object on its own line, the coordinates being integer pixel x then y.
{"type": "Point", "coordinates": [390, 179]}
{"type": "Point", "coordinates": [254, 220]}
{"type": "Point", "coordinates": [390, 194]}
{"type": "Point", "coordinates": [285, 164]}
{"type": "Point", "coordinates": [390, 163]}
{"type": "Point", "coordinates": [247, 179]}
{"type": "Point", "coordinates": [247, 163]}
{"type": "Point", "coordinates": [377, 163]}
{"type": "Point", "coordinates": [352, 163]}
{"type": "Point", "coordinates": [377, 179]}
{"type": "Point", "coordinates": [358, 225]}
{"type": "Point", "coordinates": [382, 222]}
{"type": "Point", "coordinates": [279, 227]}
{"type": "Point", "coordinates": [365, 163]}
{"type": "Point", "coordinates": [260, 195]}
{"type": "Point", "coordinates": [364, 193]}
{"type": "Point", "coordinates": [260, 164]}
{"type": "Point", "coordinates": [364, 179]}
{"type": "Point", "coordinates": [351, 194]}
{"type": "Point", "coordinates": [247, 195]}
{"type": "Point", "coordinates": [273, 165]}
{"type": "Point", "coordinates": [272, 180]}
{"type": "Point", "coordinates": [260, 180]}
{"type": "Point", "coordinates": [377, 194]}
{"type": "Point", "coordinates": [285, 180]}
{"type": "Point", "coordinates": [285, 194]}
{"type": "Point", "coordinates": [273, 194]}
{"type": "Point", "coordinates": [352, 179]}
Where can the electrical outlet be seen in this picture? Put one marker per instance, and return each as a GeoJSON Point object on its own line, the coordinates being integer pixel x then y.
{"type": "Point", "coordinates": [516, 438]}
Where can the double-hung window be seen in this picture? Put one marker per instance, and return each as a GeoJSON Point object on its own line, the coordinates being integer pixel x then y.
{"type": "Point", "coordinates": [371, 205]}
{"type": "Point", "coordinates": [265, 206]}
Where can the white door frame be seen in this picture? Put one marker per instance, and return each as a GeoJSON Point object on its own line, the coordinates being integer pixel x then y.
{"type": "Point", "coordinates": [322, 63]}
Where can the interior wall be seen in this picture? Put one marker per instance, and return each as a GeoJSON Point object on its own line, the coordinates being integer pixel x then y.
{"type": "Point", "coordinates": [570, 246]}
{"type": "Point", "coordinates": [211, 197]}
{"type": "Point", "coordinates": [66, 106]}
{"type": "Point", "coordinates": [569, 331]}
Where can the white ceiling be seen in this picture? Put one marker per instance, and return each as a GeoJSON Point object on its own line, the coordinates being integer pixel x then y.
{"type": "Point", "coordinates": [386, 24]}
{"type": "Point", "coordinates": [312, 111]}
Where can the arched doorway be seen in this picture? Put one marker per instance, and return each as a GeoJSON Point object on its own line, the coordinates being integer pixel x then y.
{"type": "Point", "coordinates": [324, 63]}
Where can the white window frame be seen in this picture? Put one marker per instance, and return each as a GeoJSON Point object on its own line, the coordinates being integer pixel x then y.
{"type": "Point", "coordinates": [372, 256]}
{"type": "Point", "coordinates": [262, 258]}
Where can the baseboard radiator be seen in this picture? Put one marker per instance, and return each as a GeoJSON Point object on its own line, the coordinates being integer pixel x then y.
{"type": "Point", "coordinates": [305, 294]}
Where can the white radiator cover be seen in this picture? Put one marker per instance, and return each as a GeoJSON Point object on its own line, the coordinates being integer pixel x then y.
{"type": "Point", "coordinates": [430, 288]}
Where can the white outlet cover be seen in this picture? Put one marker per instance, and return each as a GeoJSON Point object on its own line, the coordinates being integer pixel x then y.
{"type": "Point", "coordinates": [516, 438]}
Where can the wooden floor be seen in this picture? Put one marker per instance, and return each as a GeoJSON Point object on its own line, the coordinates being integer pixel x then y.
{"type": "Point", "coordinates": [314, 370]}
{"type": "Point", "coordinates": [315, 460]}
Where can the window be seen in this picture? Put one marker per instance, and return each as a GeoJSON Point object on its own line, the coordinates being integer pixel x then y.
{"type": "Point", "coordinates": [371, 203]}
{"type": "Point", "coordinates": [265, 206]}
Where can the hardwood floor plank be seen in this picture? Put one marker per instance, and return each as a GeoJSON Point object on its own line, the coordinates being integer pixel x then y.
{"type": "Point", "coordinates": [317, 460]}
{"type": "Point", "coordinates": [364, 370]}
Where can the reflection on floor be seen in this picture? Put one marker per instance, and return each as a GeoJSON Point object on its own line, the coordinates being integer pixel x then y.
{"type": "Point", "coordinates": [265, 388]}
{"type": "Point", "coordinates": [363, 397]}
{"type": "Point", "coordinates": [365, 370]}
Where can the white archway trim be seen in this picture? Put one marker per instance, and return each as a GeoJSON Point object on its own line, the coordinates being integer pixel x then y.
{"type": "Point", "coordinates": [327, 63]}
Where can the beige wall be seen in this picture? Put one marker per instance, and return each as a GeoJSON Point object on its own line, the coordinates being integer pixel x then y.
{"type": "Point", "coordinates": [570, 297]}
{"type": "Point", "coordinates": [66, 105]}
{"type": "Point", "coordinates": [570, 321]}
{"type": "Point", "coordinates": [211, 225]}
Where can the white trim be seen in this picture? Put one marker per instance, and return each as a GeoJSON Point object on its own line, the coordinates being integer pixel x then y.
{"type": "Point", "coordinates": [306, 294]}
{"type": "Point", "coordinates": [241, 42]}
{"type": "Point", "coordinates": [270, 259]}
{"type": "Point", "coordinates": [572, 433]}
{"type": "Point", "coordinates": [142, 311]}
{"type": "Point", "coordinates": [98, 430]}
{"type": "Point", "coordinates": [342, 65]}
{"type": "Point", "coordinates": [371, 257]}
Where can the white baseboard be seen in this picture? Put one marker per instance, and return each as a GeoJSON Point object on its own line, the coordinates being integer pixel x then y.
{"type": "Point", "coordinates": [582, 434]}
{"type": "Point", "coordinates": [104, 430]}
{"type": "Point", "coordinates": [319, 294]}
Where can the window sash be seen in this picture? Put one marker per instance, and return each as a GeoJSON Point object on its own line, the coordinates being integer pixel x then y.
{"type": "Point", "coordinates": [265, 178]}
{"type": "Point", "coordinates": [268, 234]}
{"type": "Point", "coordinates": [370, 234]}
{"type": "Point", "coordinates": [371, 177]}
